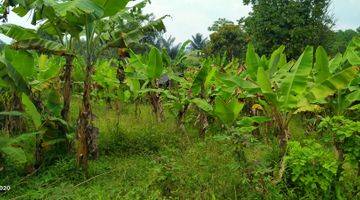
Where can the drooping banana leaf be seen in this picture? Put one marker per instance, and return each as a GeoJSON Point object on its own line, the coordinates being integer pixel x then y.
{"type": "Point", "coordinates": [333, 84]}
{"type": "Point", "coordinates": [28, 39]}
{"type": "Point", "coordinates": [31, 111]}
{"type": "Point", "coordinates": [12, 78]}
{"type": "Point", "coordinates": [18, 33]}
{"type": "Point", "coordinates": [21, 60]}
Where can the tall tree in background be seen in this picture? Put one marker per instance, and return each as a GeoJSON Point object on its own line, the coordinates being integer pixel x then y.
{"type": "Point", "coordinates": [198, 42]}
{"type": "Point", "coordinates": [293, 23]}
{"type": "Point", "coordinates": [229, 38]}
{"type": "Point", "coordinates": [342, 39]}
{"type": "Point", "coordinates": [219, 24]}
{"type": "Point", "coordinates": [161, 42]}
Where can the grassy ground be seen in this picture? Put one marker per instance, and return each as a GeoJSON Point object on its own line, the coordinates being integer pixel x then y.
{"type": "Point", "coordinates": [143, 159]}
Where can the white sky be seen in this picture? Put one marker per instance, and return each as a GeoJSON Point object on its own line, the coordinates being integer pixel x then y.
{"type": "Point", "coordinates": [189, 17]}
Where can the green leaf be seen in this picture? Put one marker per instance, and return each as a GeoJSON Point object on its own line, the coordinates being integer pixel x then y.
{"type": "Point", "coordinates": [111, 7]}
{"type": "Point", "coordinates": [155, 66]}
{"type": "Point", "coordinates": [276, 60]}
{"type": "Point", "coordinates": [14, 154]}
{"type": "Point", "coordinates": [200, 78]}
{"type": "Point", "coordinates": [12, 77]}
{"type": "Point", "coordinates": [21, 60]}
{"type": "Point", "coordinates": [353, 57]}
{"type": "Point", "coordinates": [202, 104]}
{"type": "Point", "coordinates": [227, 110]}
{"type": "Point", "coordinates": [252, 61]}
{"type": "Point", "coordinates": [210, 77]}
{"type": "Point", "coordinates": [352, 52]}
{"type": "Point", "coordinates": [335, 63]}
{"type": "Point", "coordinates": [352, 97]}
{"type": "Point", "coordinates": [333, 84]}
{"type": "Point", "coordinates": [31, 111]}
{"type": "Point", "coordinates": [263, 80]}
{"type": "Point", "coordinates": [137, 34]}
{"type": "Point", "coordinates": [249, 121]}
{"type": "Point", "coordinates": [322, 71]}
{"type": "Point", "coordinates": [296, 80]}
{"type": "Point", "coordinates": [17, 32]}
{"type": "Point", "coordinates": [79, 8]}
{"type": "Point", "coordinates": [28, 39]}
{"type": "Point", "coordinates": [12, 113]}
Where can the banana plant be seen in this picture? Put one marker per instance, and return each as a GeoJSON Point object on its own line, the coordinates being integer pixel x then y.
{"type": "Point", "coordinates": [18, 78]}
{"type": "Point", "coordinates": [287, 88]}
{"type": "Point", "coordinates": [29, 39]}
{"type": "Point", "coordinates": [214, 98]}
{"type": "Point", "coordinates": [147, 70]}
{"type": "Point", "coordinates": [346, 97]}
{"type": "Point", "coordinates": [108, 86]}
{"type": "Point", "coordinates": [86, 15]}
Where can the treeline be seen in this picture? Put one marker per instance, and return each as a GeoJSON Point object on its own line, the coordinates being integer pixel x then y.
{"type": "Point", "coordinates": [271, 24]}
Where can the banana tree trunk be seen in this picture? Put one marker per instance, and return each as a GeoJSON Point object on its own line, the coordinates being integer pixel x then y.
{"type": "Point", "coordinates": [203, 119]}
{"type": "Point", "coordinates": [156, 104]}
{"type": "Point", "coordinates": [14, 124]}
{"type": "Point", "coordinates": [67, 87]}
{"type": "Point", "coordinates": [86, 132]}
{"type": "Point", "coordinates": [181, 118]}
{"type": "Point", "coordinates": [284, 136]}
{"type": "Point", "coordinates": [204, 123]}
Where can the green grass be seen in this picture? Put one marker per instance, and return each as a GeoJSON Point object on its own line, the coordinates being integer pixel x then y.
{"type": "Point", "coordinates": [143, 159]}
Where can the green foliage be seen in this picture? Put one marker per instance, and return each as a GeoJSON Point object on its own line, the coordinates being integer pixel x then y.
{"type": "Point", "coordinates": [16, 150]}
{"type": "Point", "coordinates": [294, 24]}
{"type": "Point", "coordinates": [343, 132]}
{"type": "Point", "coordinates": [198, 42]}
{"type": "Point", "coordinates": [252, 115]}
{"type": "Point", "coordinates": [228, 38]}
{"type": "Point", "coordinates": [155, 66]}
{"type": "Point", "coordinates": [342, 39]}
{"type": "Point", "coordinates": [22, 61]}
{"type": "Point", "coordinates": [31, 111]}
{"type": "Point", "coordinates": [312, 167]}
{"type": "Point", "coordinates": [227, 110]}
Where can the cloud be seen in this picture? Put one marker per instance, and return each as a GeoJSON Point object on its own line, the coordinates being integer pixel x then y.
{"type": "Point", "coordinates": [346, 13]}
{"type": "Point", "coordinates": [195, 16]}
{"type": "Point", "coordinates": [189, 17]}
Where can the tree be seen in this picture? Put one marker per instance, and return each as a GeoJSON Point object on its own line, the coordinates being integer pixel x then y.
{"type": "Point", "coordinates": [228, 38]}
{"type": "Point", "coordinates": [158, 40]}
{"type": "Point", "coordinates": [342, 39]}
{"type": "Point", "coordinates": [291, 87]}
{"type": "Point", "coordinates": [198, 42]}
{"type": "Point", "coordinates": [219, 24]}
{"type": "Point", "coordinates": [292, 23]}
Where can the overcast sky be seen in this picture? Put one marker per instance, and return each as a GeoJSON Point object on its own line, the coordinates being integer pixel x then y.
{"type": "Point", "coordinates": [189, 17]}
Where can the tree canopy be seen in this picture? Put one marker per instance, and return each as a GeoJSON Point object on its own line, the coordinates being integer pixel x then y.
{"type": "Point", "coordinates": [292, 23]}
